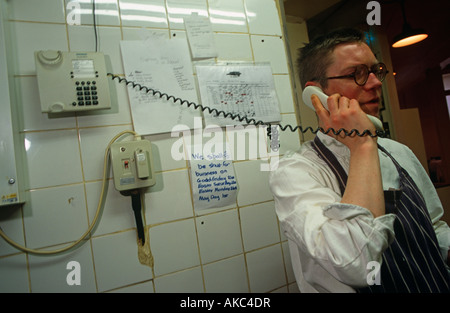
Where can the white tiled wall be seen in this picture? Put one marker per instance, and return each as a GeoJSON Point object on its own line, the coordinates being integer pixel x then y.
{"type": "Point", "coordinates": [235, 249]}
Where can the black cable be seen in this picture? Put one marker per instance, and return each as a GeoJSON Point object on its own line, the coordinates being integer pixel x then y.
{"type": "Point", "coordinates": [271, 127]}
{"type": "Point", "coordinates": [136, 205]}
{"type": "Point", "coordinates": [95, 25]}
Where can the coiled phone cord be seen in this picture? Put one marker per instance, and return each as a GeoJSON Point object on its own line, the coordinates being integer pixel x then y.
{"type": "Point", "coordinates": [271, 127]}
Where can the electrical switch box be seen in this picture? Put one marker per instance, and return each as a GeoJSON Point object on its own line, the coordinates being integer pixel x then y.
{"type": "Point", "coordinates": [132, 164]}
{"type": "Point", "coordinates": [72, 81]}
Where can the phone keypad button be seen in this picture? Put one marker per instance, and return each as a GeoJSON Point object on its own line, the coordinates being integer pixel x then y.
{"type": "Point", "coordinates": [86, 93]}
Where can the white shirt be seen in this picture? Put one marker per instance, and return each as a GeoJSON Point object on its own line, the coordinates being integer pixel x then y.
{"type": "Point", "coordinates": [331, 243]}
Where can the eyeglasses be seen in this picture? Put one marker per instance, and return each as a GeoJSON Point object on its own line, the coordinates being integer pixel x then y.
{"type": "Point", "coordinates": [362, 72]}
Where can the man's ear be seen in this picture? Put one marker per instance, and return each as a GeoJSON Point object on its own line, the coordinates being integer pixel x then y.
{"type": "Point", "coordinates": [312, 83]}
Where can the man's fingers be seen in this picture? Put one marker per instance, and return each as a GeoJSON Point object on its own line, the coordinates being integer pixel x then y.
{"type": "Point", "coordinates": [318, 106]}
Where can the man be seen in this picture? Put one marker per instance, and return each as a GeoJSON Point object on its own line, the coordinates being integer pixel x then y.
{"type": "Point", "coordinates": [349, 204]}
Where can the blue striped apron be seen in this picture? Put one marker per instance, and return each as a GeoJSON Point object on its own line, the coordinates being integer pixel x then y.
{"type": "Point", "coordinates": [413, 262]}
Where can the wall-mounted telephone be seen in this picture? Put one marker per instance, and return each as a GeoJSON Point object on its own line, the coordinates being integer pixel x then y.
{"type": "Point", "coordinates": [313, 90]}
{"type": "Point", "coordinates": [72, 81]}
{"type": "Point", "coordinates": [132, 164]}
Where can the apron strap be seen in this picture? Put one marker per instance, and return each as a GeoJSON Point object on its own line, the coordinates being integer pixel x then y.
{"type": "Point", "coordinates": [329, 158]}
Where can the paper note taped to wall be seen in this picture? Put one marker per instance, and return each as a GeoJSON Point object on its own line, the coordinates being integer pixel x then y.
{"type": "Point", "coordinates": [200, 36]}
{"type": "Point", "coordinates": [214, 183]}
{"type": "Point", "coordinates": [163, 65]}
{"type": "Point", "coordinates": [247, 90]}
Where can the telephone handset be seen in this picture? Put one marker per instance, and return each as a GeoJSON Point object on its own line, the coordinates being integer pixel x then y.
{"type": "Point", "coordinates": [72, 81]}
{"type": "Point", "coordinates": [314, 90]}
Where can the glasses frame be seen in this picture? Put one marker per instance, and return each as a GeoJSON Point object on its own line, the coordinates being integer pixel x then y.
{"type": "Point", "coordinates": [375, 69]}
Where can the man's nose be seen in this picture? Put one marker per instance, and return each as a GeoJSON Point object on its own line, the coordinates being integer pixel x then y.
{"type": "Point", "coordinates": [372, 81]}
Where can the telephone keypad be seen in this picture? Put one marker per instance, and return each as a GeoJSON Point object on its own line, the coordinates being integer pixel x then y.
{"type": "Point", "coordinates": [86, 93]}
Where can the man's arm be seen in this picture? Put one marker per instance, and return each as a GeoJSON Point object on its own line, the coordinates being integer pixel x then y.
{"type": "Point", "coordinates": [364, 184]}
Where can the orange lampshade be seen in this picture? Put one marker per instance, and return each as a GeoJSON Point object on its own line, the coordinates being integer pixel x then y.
{"type": "Point", "coordinates": [409, 36]}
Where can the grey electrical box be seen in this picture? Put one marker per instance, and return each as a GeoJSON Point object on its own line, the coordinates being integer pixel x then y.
{"type": "Point", "coordinates": [10, 156]}
{"type": "Point", "coordinates": [132, 164]}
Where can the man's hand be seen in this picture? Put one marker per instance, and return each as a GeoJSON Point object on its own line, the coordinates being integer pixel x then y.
{"type": "Point", "coordinates": [347, 114]}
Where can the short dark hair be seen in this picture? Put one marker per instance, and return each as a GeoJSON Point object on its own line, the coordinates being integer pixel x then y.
{"type": "Point", "coordinates": [315, 57]}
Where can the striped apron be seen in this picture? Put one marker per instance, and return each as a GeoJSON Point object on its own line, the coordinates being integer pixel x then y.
{"type": "Point", "coordinates": [413, 262]}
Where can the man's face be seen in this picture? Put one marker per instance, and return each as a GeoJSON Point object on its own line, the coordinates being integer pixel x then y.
{"type": "Point", "coordinates": [346, 57]}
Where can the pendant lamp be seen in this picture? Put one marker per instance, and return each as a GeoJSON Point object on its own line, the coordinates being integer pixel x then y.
{"type": "Point", "coordinates": [408, 36]}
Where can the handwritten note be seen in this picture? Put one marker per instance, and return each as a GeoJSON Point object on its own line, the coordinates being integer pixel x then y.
{"type": "Point", "coordinates": [200, 36]}
{"type": "Point", "coordinates": [163, 65]}
{"type": "Point", "coordinates": [214, 183]}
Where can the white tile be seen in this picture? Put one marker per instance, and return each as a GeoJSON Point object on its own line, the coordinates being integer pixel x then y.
{"type": "Point", "coordinates": [270, 49]}
{"type": "Point", "coordinates": [31, 37]}
{"type": "Point", "coordinates": [162, 145]}
{"type": "Point", "coordinates": [282, 235]}
{"type": "Point", "coordinates": [116, 261]}
{"type": "Point", "coordinates": [145, 287]}
{"type": "Point", "coordinates": [117, 213]}
{"type": "Point", "coordinates": [169, 199]}
{"type": "Point", "coordinates": [82, 38]}
{"type": "Point", "coordinates": [14, 274]}
{"type": "Point", "coordinates": [55, 215]}
{"type": "Point", "coordinates": [178, 33]}
{"type": "Point", "coordinates": [37, 11]}
{"type": "Point", "coordinates": [227, 275]}
{"type": "Point", "coordinates": [248, 142]}
{"type": "Point", "coordinates": [106, 12]}
{"type": "Point", "coordinates": [263, 17]}
{"type": "Point", "coordinates": [287, 262]}
{"type": "Point", "coordinates": [283, 289]}
{"type": "Point", "coordinates": [219, 235]}
{"type": "Point", "coordinates": [293, 288]}
{"type": "Point", "coordinates": [177, 10]}
{"type": "Point", "coordinates": [227, 16]}
{"type": "Point", "coordinates": [93, 145]}
{"type": "Point", "coordinates": [268, 275]}
{"type": "Point", "coordinates": [49, 274]}
{"type": "Point", "coordinates": [174, 246]}
{"type": "Point", "coordinates": [253, 183]}
{"type": "Point", "coordinates": [133, 33]}
{"type": "Point", "coordinates": [289, 141]}
{"type": "Point", "coordinates": [233, 47]}
{"type": "Point", "coordinates": [12, 226]}
{"type": "Point", "coordinates": [53, 158]}
{"type": "Point", "coordinates": [31, 117]}
{"type": "Point", "coordinates": [259, 225]}
{"type": "Point", "coordinates": [142, 13]}
{"type": "Point", "coordinates": [284, 93]}
{"type": "Point", "coordinates": [189, 281]}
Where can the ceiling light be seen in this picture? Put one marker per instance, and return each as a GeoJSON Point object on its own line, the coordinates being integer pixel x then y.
{"type": "Point", "coordinates": [408, 36]}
